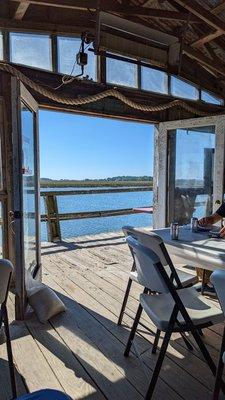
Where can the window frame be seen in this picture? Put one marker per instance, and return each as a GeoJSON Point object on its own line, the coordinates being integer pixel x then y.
{"type": "Point", "coordinates": [57, 55]}
{"type": "Point", "coordinates": [31, 33]}
{"type": "Point", "coordinates": [54, 60]}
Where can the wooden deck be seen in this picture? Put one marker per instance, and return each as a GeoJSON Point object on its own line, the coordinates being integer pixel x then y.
{"type": "Point", "coordinates": [81, 351]}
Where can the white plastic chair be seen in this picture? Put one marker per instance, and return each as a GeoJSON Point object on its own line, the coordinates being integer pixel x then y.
{"type": "Point", "coordinates": [154, 242]}
{"type": "Point", "coordinates": [6, 270]}
{"type": "Point", "coordinates": [170, 309]}
{"type": "Point", "coordinates": [218, 280]}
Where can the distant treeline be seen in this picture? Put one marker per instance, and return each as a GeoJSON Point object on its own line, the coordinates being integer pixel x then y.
{"type": "Point", "coordinates": [114, 181]}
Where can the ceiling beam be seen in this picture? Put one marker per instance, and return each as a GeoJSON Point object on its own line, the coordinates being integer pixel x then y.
{"type": "Point", "coordinates": [204, 60]}
{"type": "Point", "coordinates": [111, 7]}
{"type": "Point", "coordinates": [46, 27]}
{"type": "Point", "coordinates": [218, 9]}
{"type": "Point", "coordinates": [211, 35]}
{"type": "Point", "coordinates": [21, 10]}
{"type": "Point", "coordinates": [196, 9]}
{"type": "Point", "coordinates": [206, 38]}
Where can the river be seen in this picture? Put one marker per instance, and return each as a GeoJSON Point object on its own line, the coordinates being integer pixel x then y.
{"type": "Point", "coordinates": [99, 202]}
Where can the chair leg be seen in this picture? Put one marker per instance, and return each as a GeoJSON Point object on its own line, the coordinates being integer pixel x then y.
{"type": "Point", "coordinates": [158, 365]}
{"type": "Point", "coordinates": [133, 330]}
{"type": "Point", "coordinates": [219, 372]}
{"type": "Point", "coordinates": [124, 301]}
{"type": "Point", "coordinates": [206, 355]}
{"type": "Point", "coordinates": [10, 355]}
{"type": "Point", "coordinates": [186, 341]}
{"type": "Point", "coordinates": [156, 341]}
{"type": "Point", "coordinates": [204, 351]}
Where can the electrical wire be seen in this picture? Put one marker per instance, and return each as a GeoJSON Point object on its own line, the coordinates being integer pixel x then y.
{"type": "Point", "coordinates": [70, 78]}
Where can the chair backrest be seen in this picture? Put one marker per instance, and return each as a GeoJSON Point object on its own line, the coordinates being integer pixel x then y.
{"type": "Point", "coordinates": [155, 243]}
{"type": "Point", "coordinates": [150, 240]}
{"type": "Point", "coordinates": [154, 276]}
{"type": "Point", "coordinates": [218, 280]}
{"type": "Point", "coordinates": [6, 269]}
{"type": "Point", "coordinates": [147, 265]}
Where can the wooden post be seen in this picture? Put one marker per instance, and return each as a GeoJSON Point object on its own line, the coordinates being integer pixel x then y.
{"type": "Point", "coordinates": [53, 225]}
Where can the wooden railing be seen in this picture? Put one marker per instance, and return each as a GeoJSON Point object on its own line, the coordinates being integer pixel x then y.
{"type": "Point", "coordinates": [52, 217]}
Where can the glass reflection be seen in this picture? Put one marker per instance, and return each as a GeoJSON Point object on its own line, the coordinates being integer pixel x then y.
{"type": "Point", "coordinates": [29, 186]}
{"type": "Point", "coordinates": [1, 230]}
{"type": "Point", "coordinates": [190, 182]}
{"type": "Point", "coordinates": [1, 46]}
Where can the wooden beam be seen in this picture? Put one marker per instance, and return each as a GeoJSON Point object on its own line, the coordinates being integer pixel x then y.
{"type": "Point", "coordinates": [204, 60]}
{"type": "Point", "coordinates": [111, 7]}
{"type": "Point", "coordinates": [212, 35]}
{"type": "Point", "coordinates": [206, 39]}
{"type": "Point", "coordinates": [21, 10]}
{"type": "Point", "coordinates": [196, 9]}
{"type": "Point", "coordinates": [218, 9]}
{"type": "Point", "coordinates": [45, 27]}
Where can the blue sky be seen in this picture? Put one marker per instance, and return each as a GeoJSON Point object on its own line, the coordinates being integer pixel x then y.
{"type": "Point", "coordinates": [78, 147]}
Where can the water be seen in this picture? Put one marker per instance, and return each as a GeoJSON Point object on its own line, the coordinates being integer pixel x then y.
{"type": "Point", "coordinates": [107, 201]}
{"type": "Point", "coordinates": [100, 202]}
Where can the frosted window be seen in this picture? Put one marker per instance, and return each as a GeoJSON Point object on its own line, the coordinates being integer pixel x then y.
{"type": "Point", "coordinates": [30, 49]}
{"type": "Point", "coordinates": [183, 89]}
{"type": "Point", "coordinates": [154, 80]}
{"type": "Point", "coordinates": [68, 47]}
{"type": "Point", "coordinates": [121, 72]}
{"type": "Point", "coordinates": [209, 98]}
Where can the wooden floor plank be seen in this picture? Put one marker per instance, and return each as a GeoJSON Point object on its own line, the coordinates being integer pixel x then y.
{"type": "Point", "coordinates": [81, 351]}
{"type": "Point", "coordinates": [128, 370]}
{"type": "Point", "coordinates": [79, 280]}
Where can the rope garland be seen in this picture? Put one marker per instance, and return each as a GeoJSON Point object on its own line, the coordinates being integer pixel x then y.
{"type": "Point", "coordinates": [97, 97]}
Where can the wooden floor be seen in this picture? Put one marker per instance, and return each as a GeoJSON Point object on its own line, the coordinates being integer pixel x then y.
{"type": "Point", "coordinates": [81, 351]}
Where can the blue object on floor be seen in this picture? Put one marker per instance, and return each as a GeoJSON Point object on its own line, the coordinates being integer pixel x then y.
{"type": "Point", "coordinates": [45, 394]}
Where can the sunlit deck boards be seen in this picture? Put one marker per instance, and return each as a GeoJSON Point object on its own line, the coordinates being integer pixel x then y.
{"type": "Point", "coordinates": [81, 351]}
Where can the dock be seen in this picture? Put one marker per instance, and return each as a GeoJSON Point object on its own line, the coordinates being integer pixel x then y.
{"type": "Point", "coordinates": [81, 351]}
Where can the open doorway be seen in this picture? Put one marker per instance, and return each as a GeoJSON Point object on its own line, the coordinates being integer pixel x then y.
{"type": "Point", "coordinates": [82, 153]}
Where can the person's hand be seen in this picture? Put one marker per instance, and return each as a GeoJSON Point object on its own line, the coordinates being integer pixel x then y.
{"type": "Point", "coordinates": [222, 232]}
{"type": "Point", "coordinates": [204, 221]}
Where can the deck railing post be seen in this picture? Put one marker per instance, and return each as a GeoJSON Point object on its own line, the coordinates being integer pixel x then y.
{"type": "Point", "coordinates": [53, 225]}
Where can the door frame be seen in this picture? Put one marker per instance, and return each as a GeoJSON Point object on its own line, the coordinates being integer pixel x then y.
{"type": "Point", "coordinates": [160, 179]}
{"type": "Point", "coordinates": [20, 93]}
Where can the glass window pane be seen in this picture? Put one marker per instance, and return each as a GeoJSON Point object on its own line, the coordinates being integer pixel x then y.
{"type": "Point", "coordinates": [1, 46]}
{"type": "Point", "coordinates": [183, 89]}
{"type": "Point", "coordinates": [1, 231]}
{"type": "Point", "coordinates": [121, 72]}
{"type": "Point", "coordinates": [154, 80]}
{"type": "Point", "coordinates": [29, 188]}
{"type": "Point", "coordinates": [190, 173]}
{"type": "Point", "coordinates": [209, 98]}
{"type": "Point", "coordinates": [30, 49]}
{"type": "Point", "coordinates": [68, 47]}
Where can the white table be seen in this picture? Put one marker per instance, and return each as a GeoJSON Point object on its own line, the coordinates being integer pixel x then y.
{"type": "Point", "coordinates": [195, 248]}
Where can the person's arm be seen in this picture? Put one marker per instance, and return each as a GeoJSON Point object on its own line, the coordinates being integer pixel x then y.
{"type": "Point", "coordinates": [210, 220]}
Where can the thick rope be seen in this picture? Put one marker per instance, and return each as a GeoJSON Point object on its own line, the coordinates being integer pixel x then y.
{"type": "Point", "coordinates": [96, 97]}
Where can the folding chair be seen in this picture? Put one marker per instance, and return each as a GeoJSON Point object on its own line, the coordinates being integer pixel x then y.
{"type": "Point", "coordinates": [155, 243]}
{"type": "Point", "coordinates": [170, 309]}
{"type": "Point", "coordinates": [6, 270]}
{"type": "Point", "coordinates": [218, 280]}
